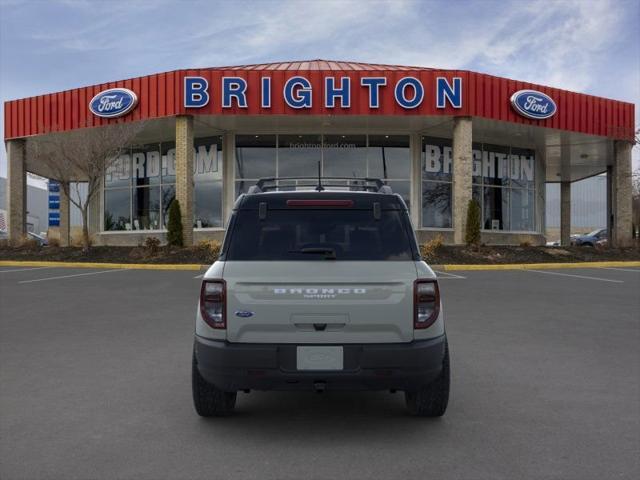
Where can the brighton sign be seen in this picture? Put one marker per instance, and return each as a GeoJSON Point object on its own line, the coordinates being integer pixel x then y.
{"type": "Point", "coordinates": [408, 92]}
{"type": "Point", "coordinates": [533, 104]}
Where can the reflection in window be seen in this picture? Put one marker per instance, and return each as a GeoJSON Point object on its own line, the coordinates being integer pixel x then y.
{"type": "Point", "coordinates": [344, 156]}
{"type": "Point", "coordinates": [146, 208]}
{"type": "Point", "coordinates": [146, 165]}
{"type": "Point", "coordinates": [436, 204]}
{"type": "Point", "coordinates": [208, 205]}
{"type": "Point", "coordinates": [168, 195]}
{"type": "Point", "coordinates": [298, 155]}
{"type": "Point", "coordinates": [152, 168]}
{"type": "Point", "coordinates": [522, 209]}
{"type": "Point", "coordinates": [117, 215]}
{"type": "Point", "coordinates": [207, 177]}
{"type": "Point", "coordinates": [255, 156]}
{"type": "Point", "coordinates": [389, 156]}
{"type": "Point", "coordinates": [496, 208]}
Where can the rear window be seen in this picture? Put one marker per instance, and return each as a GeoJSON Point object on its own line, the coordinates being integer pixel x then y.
{"type": "Point", "coordinates": [312, 234]}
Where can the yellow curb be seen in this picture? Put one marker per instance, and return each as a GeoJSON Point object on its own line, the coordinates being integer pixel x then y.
{"type": "Point", "coordinates": [130, 266]}
{"type": "Point", "coordinates": [540, 266]}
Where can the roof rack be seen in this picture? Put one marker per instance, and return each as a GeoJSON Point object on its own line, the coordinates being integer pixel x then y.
{"type": "Point", "coordinates": [319, 184]}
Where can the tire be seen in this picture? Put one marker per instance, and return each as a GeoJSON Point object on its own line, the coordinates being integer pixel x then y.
{"type": "Point", "coordinates": [208, 400]}
{"type": "Point", "coordinates": [432, 400]}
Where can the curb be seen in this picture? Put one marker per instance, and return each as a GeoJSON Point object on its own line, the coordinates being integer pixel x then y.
{"type": "Point", "coordinates": [129, 266]}
{"type": "Point", "coordinates": [538, 266]}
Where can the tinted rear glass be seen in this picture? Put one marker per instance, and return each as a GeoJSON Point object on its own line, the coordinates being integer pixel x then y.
{"type": "Point", "coordinates": [312, 234]}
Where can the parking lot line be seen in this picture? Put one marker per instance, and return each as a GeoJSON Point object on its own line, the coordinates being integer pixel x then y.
{"type": "Point", "coordinates": [575, 276]}
{"type": "Point", "coordinates": [199, 276]}
{"type": "Point", "coordinates": [23, 269]}
{"type": "Point", "coordinates": [449, 275]}
{"type": "Point", "coordinates": [70, 276]}
{"type": "Point", "coordinates": [637, 270]}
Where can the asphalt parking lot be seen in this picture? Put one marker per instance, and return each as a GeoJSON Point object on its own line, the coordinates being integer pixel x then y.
{"type": "Point", "coordinates": [95, 384]}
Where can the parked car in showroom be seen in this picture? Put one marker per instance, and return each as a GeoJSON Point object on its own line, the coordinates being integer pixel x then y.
{"type": "Point", "coordinates": [590, 239]}
{"type": "Point", "coordinates": [320, 289]}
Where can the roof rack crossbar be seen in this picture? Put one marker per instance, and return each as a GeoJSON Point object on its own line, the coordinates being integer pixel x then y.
{"type": "Point", "coordinates": [361, 183]}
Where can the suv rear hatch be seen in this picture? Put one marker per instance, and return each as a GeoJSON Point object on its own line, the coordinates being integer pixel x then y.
{"type": "Point", "coordinates": [302, 271]}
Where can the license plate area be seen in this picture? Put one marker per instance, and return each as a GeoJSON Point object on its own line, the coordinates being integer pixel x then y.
{"type": "Point", "coordinates": [320, 358]}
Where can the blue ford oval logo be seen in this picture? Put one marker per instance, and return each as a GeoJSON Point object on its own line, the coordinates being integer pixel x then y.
{"type": "Point", "coordinates": [244, 313]}
{"type": "Point", "coordinates": [533, 104]}
{"type": "Point", "coordinates": [114, 102]}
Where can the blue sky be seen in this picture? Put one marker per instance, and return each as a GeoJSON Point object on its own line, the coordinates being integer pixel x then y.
{"type": "Point", "coordinates": [582, 45]}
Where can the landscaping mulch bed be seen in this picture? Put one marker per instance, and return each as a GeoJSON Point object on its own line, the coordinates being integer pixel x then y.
{"type": "Point", "coordinates": [172, 255]}
{"type": "Point", "coordinates": [442, 255]}
{"type": "Point", "coordinates": [448, 255]}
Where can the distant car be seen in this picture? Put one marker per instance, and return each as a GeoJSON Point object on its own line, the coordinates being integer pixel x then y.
{"type": "Point", "coordinates": [42, 241]}
{"type": "Point", "coordinates": [591, 238]}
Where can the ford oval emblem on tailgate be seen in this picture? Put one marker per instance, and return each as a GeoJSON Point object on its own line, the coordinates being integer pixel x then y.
{"type": "Point", "coordinates": [243, 313]}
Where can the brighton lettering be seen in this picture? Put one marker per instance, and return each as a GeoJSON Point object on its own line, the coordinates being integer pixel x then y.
{"type": "Point", "coordinates": [487, 164]}
{"type": "Point", "coordinates": [297, 92]}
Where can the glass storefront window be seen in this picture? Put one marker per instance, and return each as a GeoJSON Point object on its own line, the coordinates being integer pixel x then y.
{"type": "Point", "coordinates": [497, 174]}
{"type": "Point", "coordinates": [436, 204]}
{"type": "Point", "coordinates": [379, 156]}
{"type": "Point", "coordinates": [389, 156]}
{"type": "Point", "coordinates": [168, 194]}
{"type": "Point", "coordinates": [153, 170]}
{"type": "Point", "coordinates": [298, 155]}
{"type": "Point", "coordinates": [208, 205]}
{"type": "Point", "coordinates": [496, 208]}
{"type": "Point", "coordinates": [255, 156]}
{"type": "Point", "coordinates": [118, 174]}
{"type": "Point", "coordinates": [522, 163]}
{"type": "Point", "coordinates": [145, 165]}
{"type": "Point", "coordinates": [207, 178]}
{"type": "Point", "coordinates": [117, 214]}
{"type": "Point", "coordinates": [344, 156]}
{"type": "Point", "coordinates": [437, 173]}
{"type": "Point", "coordinates": [437, 161]}
{"type": "Point", "coordinates": [168, 162]}
{"type": "Point", "coordinates": [495, 165]}
{"type": "Point", "coordinates": [522, 209]}
{"type": "Point", "coordinates": [146, 208]}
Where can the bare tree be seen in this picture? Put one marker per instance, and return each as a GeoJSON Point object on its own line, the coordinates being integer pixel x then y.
{"type": "Point", "coordinates": [82, 156]}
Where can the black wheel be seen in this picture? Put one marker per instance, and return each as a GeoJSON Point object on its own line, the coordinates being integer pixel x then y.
{"type": "Point", "coordinates": [208, 400]}
{"type": "Point", "coordinates": [431, 401]}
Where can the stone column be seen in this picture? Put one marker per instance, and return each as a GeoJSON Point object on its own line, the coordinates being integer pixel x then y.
{"type": "Point", "coordinates": [565, 213]}
{"type": "Point", "coordinates": [184, 174]}
{"type": "Point", "coordinates": [16, 191]}
{"type": "Point", "coordinates": [462, 175]}
{"type": "Point", "coordinates": [621, 184]}
{"type": "Point", "coordinates": [65, 218]}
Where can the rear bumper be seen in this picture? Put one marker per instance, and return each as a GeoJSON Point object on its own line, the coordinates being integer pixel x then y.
{"type": "Point", "coordinates": [395, 366]}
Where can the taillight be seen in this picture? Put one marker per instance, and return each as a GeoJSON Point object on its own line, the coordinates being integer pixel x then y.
{"type": "Point", "coordinates": [212, 303]}
{"type": "Point", "coordinates": [426, 303]}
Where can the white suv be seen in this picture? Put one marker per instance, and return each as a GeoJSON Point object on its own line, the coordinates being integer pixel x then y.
{"type": "Point", "coordinates": [320, 289]}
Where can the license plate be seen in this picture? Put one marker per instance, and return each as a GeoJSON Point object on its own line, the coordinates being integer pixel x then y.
{"type": "Point", "coordinates": [320, 358]}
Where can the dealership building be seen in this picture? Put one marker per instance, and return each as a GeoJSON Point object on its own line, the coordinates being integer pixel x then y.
{"type": "Point", "coordinates": [438, 137]}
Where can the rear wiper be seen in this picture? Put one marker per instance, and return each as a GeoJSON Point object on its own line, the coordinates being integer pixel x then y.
{"type": "Point", "coordinates": [330, 253]}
